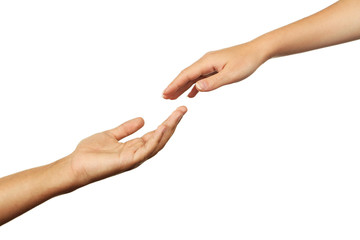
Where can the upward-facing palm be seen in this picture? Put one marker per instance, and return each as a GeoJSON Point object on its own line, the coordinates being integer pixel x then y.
{"type": "Point", "coordinates": [102, 155]}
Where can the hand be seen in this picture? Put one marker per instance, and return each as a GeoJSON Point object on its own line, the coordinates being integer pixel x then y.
{"type": "Point", "coordinates": [96, 157]}
{"type": "Point", "coordinates": [102, 155]}
{"type": "Point", "coordinates": [218, 68]}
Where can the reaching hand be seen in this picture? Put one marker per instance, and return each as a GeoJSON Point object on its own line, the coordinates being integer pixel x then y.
{"type": "Point", "coordinates": [95, 158]}
{"type": "Point", "coordinates": [216, 69]}
{"type": "Point", "coordinates": [102, 155]}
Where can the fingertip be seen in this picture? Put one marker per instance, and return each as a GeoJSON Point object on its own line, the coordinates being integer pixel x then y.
{"type": "Point", "coordinates": [193, 92]}
{"type": "Point", "coordinates": [165, 94]}
{"type": "Point", "coordinates": [140, 121]}
{"type": "Point", "coordinates": [137, 122]}
{"type": "Point", "coordinates": [183, 109]}
{"type": "Point", "coordinates": [127, 128]}
{"type": "Point", "coordinates": [168, 96]}
{"type": "Point", "coordinates": [168, 92]}
{"type": "Point", "coordinates": [191, 95]}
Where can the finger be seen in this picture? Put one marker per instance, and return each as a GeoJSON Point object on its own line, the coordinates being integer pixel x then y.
{"type": "Point", "coordinates": [184, 88]}
{"type": "Point", "coordinates": [145, 152]}
{"type": "Point", "coordinates": [127, 128]}
{"type": "Point", "coordinates": [193, 92]}
{"type": "Point", "coordinates": [148, 135]}
{"type": "Point", "coordinates": [187, 77]}
{"type": "Point", "coordinates": [135, 143]}
{"type": "Point", "coordinates": [179, 112]}
{"type": "Point", "coordinates": [171, 124]}
{"type": "Point", "coordinates": [156, 140]}
{"type": "Point", "coordinates": [213, 82]}
{"type": "Point", "coordinates": [182, 110]}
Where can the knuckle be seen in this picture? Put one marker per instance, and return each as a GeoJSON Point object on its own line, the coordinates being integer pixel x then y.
{"type": "Point", "coordinates": [186, 73]}
{"type": "Point", "coordinates": [209, 54]}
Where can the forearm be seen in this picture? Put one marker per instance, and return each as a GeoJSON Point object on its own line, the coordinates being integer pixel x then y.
{"type": "Point", "coordinates": [23, 191]}
{"type": "Point", "coordinates": [336, 24]}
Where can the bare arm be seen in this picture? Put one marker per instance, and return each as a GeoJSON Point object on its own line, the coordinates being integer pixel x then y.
{"type": "Point", "coordinates": [95, 158]}
{"type": "Point", "coordinates": [339, 23]}
{"type": "Point", "coordinates": [336, 24]}
{"type": "Point", "coordinates": [22, 191]}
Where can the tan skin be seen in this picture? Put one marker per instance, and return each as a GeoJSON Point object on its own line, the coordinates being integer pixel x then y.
{"type": "Point", "coordinates": [101, 155]}
{"type": "Point", "coordinates": [96, 157]}
{"type": "Point", "coordinates": [339, 23]}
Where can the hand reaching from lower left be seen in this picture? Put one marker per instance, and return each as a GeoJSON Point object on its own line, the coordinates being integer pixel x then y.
{"type": "Point", "coordinates": [102, 155]}
{"type": "Point", "coordinates": [95, 158]}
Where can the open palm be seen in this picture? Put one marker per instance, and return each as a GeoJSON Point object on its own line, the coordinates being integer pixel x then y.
{"type": "Point", "coordinates": [102, 155]}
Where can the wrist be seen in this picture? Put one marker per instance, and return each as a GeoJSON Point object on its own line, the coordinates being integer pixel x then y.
{"type": "Point", "coordinates": [267, 45]}
{"type": "Point", "coordinates": [62, 176]}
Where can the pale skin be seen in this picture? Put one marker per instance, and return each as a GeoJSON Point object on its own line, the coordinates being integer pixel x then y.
{"type": "Point", "coordinates": [339, 23]}
{"type": "Point", "coordinates": [96, 157]}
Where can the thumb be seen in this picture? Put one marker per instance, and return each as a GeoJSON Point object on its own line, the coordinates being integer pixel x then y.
{"type": "Point", "coordinates": [127, 128]}
{"type": "Point", "coordinates": [213, 82]}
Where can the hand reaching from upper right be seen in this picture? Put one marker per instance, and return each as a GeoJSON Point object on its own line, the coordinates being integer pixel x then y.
{"type": "Point", "coordinates": [218, 68]}
{"type": "Point", "coordinates": [338, 23]}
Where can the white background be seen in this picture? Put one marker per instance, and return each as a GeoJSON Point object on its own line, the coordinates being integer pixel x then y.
{"type": "Point", "coordinates": [275, 156]}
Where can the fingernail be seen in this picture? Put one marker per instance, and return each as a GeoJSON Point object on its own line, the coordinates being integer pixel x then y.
{"type": "Point", "coordinates": [201, 85]}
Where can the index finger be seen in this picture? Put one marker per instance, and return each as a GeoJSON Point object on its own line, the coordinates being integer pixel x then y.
{"type": "Point", "coordinates": [187, 78]}
{"type": "Point", "coordinates": [156, 140]}
{"type": "Point", "coordinates": [170, 125]}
